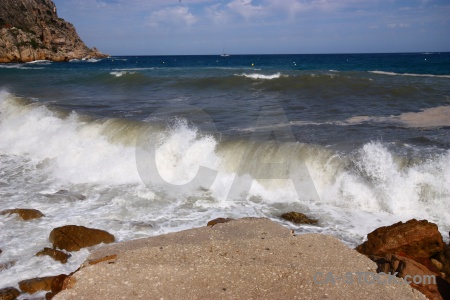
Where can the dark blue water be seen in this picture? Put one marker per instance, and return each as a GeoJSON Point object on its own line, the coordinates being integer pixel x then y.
{"type": "Point", "coordinates": [319, 90]}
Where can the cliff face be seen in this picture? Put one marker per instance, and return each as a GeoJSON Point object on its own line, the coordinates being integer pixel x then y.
{"type": "Point", "coordinates": [31, 30]}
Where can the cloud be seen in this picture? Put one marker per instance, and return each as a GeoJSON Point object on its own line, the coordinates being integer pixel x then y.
{"type": "Point", "coordinates": [246, 9]}
{"type": "Point", "coordinates": [203, 26]}
{"type": "Point", "coordinates": [288, 7]}
{"type": "Point", "coordinates": [174, 15]}
{"type": "Point", "coordinates": [395, 25]}
{"type": "Point", "coordinates": [217, 14]}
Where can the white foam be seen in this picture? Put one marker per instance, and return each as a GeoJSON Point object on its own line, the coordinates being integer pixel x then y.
{"type": "Point", "coordinates": [408, 74]}
{"type": "Point", "coordinates": [262, 76]}
{"type": "Point", "coordinates": [134, 69]}
{"type": "Point", "coordinates": [121, 73]}
{"type": "Point", "coordinates": [19, 66]}
{"type": "Point", "coordinates": [181, 151]}
{"type": "Point", "coordinates": [383, 184]}
{"type": "Point", "coordinates": [77, 151]}
{"type": "Point", "coordinates": [46, 62]}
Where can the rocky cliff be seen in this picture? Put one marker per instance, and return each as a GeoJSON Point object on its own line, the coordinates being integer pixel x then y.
{"type": "Point", "coordinates": [31, 30]}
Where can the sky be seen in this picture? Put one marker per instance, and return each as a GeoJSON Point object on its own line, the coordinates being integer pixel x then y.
{"type": "Point", "coordinates": [189, 27]}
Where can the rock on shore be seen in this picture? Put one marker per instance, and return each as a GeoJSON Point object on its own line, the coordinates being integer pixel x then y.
{"type": "Point", "coordinates": [73, 237]}
{"type": "Point", "coordinates": [31, 30]}
{"type": "Point", "coordinates": [247, 258]}
{"type": "Point", "coordinates": [24, 213]}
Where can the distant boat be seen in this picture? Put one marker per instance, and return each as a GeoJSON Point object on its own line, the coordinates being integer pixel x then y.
{"type": "Point", "coordinates": [224, 54]}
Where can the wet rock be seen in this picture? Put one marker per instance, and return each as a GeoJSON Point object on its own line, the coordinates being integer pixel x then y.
{"type": "Point", "coordinates": [24, 213]}
{"type": "Point", "coordinates": [429, 283]}
{"type": "Point", "coordinates": [437, 264]}
{"type": "Point", "coordinates": [56, 286]}
{"type": "Point", "coordinates": [218, 220]}
{"type": "Point", "coordinates": [70, 195]}
{"type": "Point", "coordinates": [7, 265]}
{"type": "Point", "coordinates": [35, 285]}
{"type": "Point", "coordinates": [55, 254]}
{"type": "Point", "coordinates": [9, 293]}
{"type": "Point", "coordinates": [444, 258]}
{"type": "Point", "coordinates": [415, 239]}
{"type": "Point", "coordinates": [73, 238]}
{"type": "Point", "coordinates": [298, 218]}
{"type": "Point", "coordinates": [69, 282]}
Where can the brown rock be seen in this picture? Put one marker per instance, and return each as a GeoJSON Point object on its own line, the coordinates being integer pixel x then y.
{"type": "Point", "coordinates": [218, 220]}
{"type": "Point", "coordinates": [57, 283]}
{"type": "Point", "coordinates": [24, 213]}
{"type": "Point", "coordinates": [298, 218]}
{"type": "Point", "coordinates": [110, 258]}
{"type": "Point", "coordinates": [31, 30]}
{"type": "Point", "coordinates": [73, 238]}
{"type": "Point", "coordinates": [35, 285]}
{"type": "Point", "coordinates": [9, 293]}
{"type": "Point", "coordinates": [55, 254]}
{"type": "Point", "coordinates": [69, 283]}
{"type": "Point", "coordinates": [432, 285]}
{"type": "Point", "coordinates": [444, 259]}
{"type": "Point", "coordinates": [437, 264]}
{"type": "Point", "coordinates": [415, 239]}
{"type": "Point", "coordinates": [56, 286]}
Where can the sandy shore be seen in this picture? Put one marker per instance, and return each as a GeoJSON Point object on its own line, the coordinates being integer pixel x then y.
{"type": "Point", "coordinates": [243, 259]}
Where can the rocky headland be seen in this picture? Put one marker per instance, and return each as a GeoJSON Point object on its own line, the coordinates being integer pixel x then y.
{"type": "Point", "coordinates": [31, 30]}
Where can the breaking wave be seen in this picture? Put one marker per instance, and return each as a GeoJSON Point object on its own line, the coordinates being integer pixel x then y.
{"type": "Point", "coordinates": [98, 172]}
{"type": "Point", "coordinates": [77, 149]}
{"type": "Point", "coordinates": [262, 76]}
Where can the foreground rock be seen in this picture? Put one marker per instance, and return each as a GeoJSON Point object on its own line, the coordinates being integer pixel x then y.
{"type": "Point", "coordinates": [35, 285]}
{"type": "Point", "coordinates": [24, 213]}
{"type": "Point", "coordinates": [55, 254]}
{"type": "Point", "coordinates": [411, 270]}
{"type": "Point", "coordinates": [52, 284]}
{"type": "Point", "coordinates": [444, 258]}
{"type": "Point", "coordinates": [298, 218]}
{"type": "Point", "coordinates": [412, 250]}
{"type": "Point", "coordinates": [415, 239]}
{"type": "Point", "coordinates": [31, 30]}
{"type": "Point", "coordinates": [9, 293]}
{"type": "Point", "coordinates": [218, 220]}
{"type": "Point", "coordinates": [56, 286]}
{"type": "Point", "coordinates": [241, 259]}
{"type": "Point", "coordinates": [73, 238]}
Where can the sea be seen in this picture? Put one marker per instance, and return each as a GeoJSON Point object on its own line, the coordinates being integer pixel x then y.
{"type": "Point", "coordinates": [146, 145]}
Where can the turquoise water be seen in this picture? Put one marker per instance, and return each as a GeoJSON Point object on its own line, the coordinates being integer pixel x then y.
{"type": "Point", "coordinates": [164, 143]}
